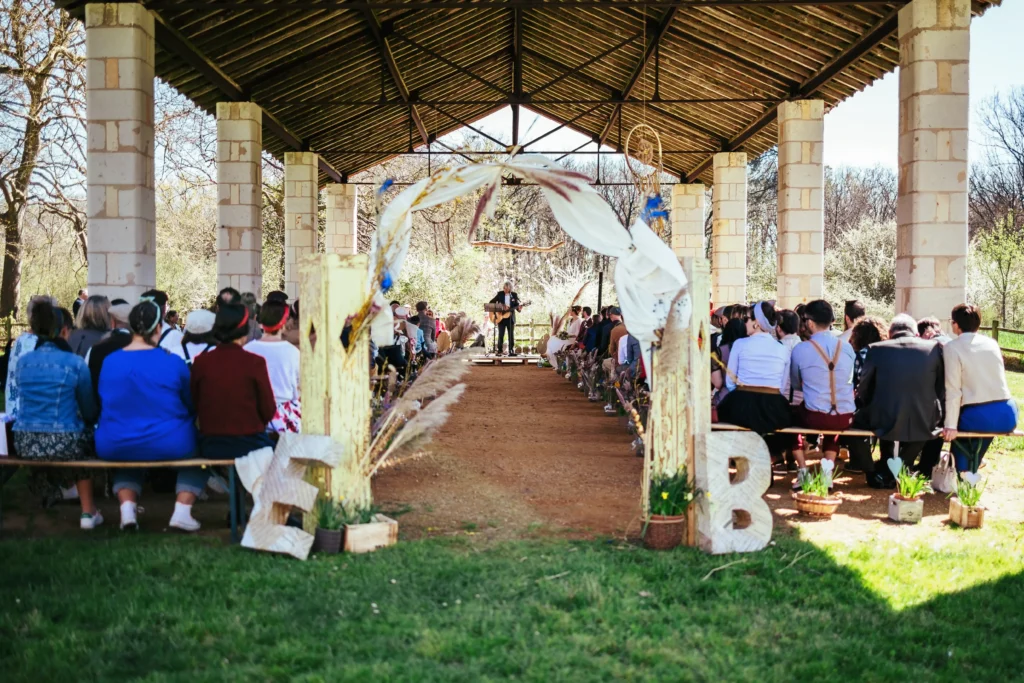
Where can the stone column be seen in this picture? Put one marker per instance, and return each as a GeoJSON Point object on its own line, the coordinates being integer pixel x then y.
{"type": "Point", "coordinates": [688, 220]}
{"type": "Point", "coordinates": [341, 226]}
{"type": "Point", "coordinates": [239, 186]}
{"type": "Point", "coordinates": [121, 207]}
{"type": "Point", "coordinates": [801, 208]}
{"type": "Point", "coordinates": [729, 229]}
{"type": "Point", "coordinates": [931, 213]}
{"type": "Point", "coordinates": [300, 214]}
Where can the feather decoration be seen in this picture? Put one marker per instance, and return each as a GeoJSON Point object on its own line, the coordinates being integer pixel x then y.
{"type": "Point", "coordinates": [416, 433]}
{"type": "Point", "coordinates": [436, 377]}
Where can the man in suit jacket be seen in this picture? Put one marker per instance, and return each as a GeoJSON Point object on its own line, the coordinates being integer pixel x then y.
{"type": "Point", "coordinates": [510, 299]}
{"type": "Point", "coordinates": [901, 390]}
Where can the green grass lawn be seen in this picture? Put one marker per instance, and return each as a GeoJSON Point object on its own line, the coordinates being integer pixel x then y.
{"type": "Point", "coordinates": [156, 607]}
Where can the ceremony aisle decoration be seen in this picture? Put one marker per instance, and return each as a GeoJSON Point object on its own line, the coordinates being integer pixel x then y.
{"type": "Point", "coordinates": [906, 505]}
{"type": "Point", "coordinates": [813, 497]}
{"type": "Point", "coordinates": [965, 509]}
{"type": "Point", "coordinates": [671, 496]}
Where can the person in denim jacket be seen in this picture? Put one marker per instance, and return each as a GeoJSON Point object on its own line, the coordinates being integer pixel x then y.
{"type": "Point", "coordinates": [56, 409]}
{"type": "Point", "coordinates": [25, 343]}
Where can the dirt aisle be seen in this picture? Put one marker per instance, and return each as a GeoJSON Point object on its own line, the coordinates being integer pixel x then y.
{"type": "Point", "coordinates": [523, 452]}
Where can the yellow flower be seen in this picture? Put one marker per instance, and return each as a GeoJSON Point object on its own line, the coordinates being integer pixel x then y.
{"type": "Point", "coordinates": [664, 495]}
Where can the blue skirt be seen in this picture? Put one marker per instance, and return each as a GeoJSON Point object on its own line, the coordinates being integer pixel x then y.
{"type": "Point", "coordinates": [231, 447]}
{"type": "Point", "coordinates": [994, 417]}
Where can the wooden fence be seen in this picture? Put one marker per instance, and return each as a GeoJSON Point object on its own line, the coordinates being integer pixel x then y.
{"type": "Point", "coordinates": [994, 330]}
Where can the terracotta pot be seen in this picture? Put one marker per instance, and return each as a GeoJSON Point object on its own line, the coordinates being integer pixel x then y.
{"type": "Point", "coordinates": [905, 511]}
{"type": "Point", "coordinates": [664, 533]}
{"type": "Point", "coordinates": [816, 506]}
{"type": "Point", "coordinates": [966, 517]}
{"type": "Point", "coordinates": [328, 540]}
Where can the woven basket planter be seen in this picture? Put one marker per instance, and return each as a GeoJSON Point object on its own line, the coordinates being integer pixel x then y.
{"type": "Point", "coordinates": [328, 540]}
{"type": "Point", "coordinates": [664, 533]}
{"type": "Point", "coordinates": [816, 506]}
{"type": "Point", "coordinates": [966, 517]}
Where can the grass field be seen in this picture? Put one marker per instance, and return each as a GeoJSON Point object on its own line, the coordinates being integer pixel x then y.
{"type": "Point", "coordinates": [153, 607]}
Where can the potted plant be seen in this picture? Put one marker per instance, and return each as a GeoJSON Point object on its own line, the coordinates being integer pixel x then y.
{"type": "Point", "coordinates": [813, 497]}
{"type": "Point", "coordinates": [907, 504]}
{"type": "Point", "coordinates": [330, 523]}
{"type": "Point", "coordinates": [670, 498]}
{"type": "Point", "coordinates": [964, 508]}
{"type": "Point", "coordinates": [366, 530]}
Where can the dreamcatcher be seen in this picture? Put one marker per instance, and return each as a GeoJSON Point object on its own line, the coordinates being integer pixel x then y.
{"type": "Point", "coordinates": [440, 219]}
{"type": "Point", "coordinates": [644, 161]}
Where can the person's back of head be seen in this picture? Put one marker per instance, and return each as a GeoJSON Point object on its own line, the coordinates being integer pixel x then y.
{"type": "Point", "coordinates": [199, 328]}
{"type": "Point", "coordinates": [587, 312]}
{"type": "Point", "coordinates": [854, 310]}
{"type": "Point", "coordinates": [789, 322]}
{"type": "Point", "coordinates": [902, 325]}
{"type": "Point", "coordinates": [273, 316]}
{"type": "Point", "coordinates": [820, 313]}
{"type": "Point", "coordinates": [231, 323]}
{"type": "Point", "coordinates": [144, 320]}
{"type": "Point", "coordinates": [119, 314]}
{"type": "Point", "coordinates": [34, 306]}
{"type": "Point", "coordinates": [415, 319]}
{"type": "Point", "coordinates": [929, 328]}
{"type": "Point", "coordinates": [868, 330]}
{"type": "Point", "coordinates": [278, 296]}
{"type": "Point", "coordinates": [159, 297]}
{"type": "Point", "coordinates": [421, 307]}
{"type": "Point", "coordinates": [740, 312]}
{"type": "Point", "coordinates": [733, 330]}
{"type": "Point", "coordinates": [118, 301]}
{"type": "Point", "coordinates": [967, 317]}
{"type": "Point", "coordinates": [46, 320]}
{"type": "Point", "coordinates": [94, 314]}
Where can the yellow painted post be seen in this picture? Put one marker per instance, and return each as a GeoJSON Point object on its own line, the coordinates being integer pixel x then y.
{"type": "Point", "coordinates": [681, 390]}
{"type": "Point", "coordinates": [335, 380]}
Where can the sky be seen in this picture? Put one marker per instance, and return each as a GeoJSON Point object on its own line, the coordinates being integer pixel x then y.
{"type": "Point", "coordinates": [863, 130]}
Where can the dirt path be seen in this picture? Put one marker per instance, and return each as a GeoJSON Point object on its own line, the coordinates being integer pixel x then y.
{"type": "Point", "coordinates": [523, 452]}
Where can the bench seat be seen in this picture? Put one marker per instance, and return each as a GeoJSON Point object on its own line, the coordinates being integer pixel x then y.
{"type": "Point", "coordinates": [726, 427]}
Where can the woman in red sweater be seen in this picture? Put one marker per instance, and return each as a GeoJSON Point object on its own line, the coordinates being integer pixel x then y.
{"type": "Point", "coordinates": [231, 391]}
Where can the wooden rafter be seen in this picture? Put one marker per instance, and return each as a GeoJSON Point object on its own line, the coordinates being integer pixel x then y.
{"type": "Point", "coordinates": [388, 57]}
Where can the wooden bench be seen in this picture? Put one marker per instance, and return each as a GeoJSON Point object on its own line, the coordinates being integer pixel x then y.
{"type": "Point", "coordinates": [726, 427]}
{"type": "Point", "coordinates": [526, 359]}
{"type": "Point", "coordinates": [235, 493]}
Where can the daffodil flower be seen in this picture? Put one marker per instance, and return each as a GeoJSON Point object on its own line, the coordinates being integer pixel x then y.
{"type": "Point", "coordinates": [664, 495]}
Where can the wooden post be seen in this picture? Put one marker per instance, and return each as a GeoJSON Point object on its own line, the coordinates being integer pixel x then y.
{"type": "Point", "coordinates": [995, 330]}
{"type": "Point", "coordinates": [335, 380]}
{"type": "Point", "coordinates": [681, 390]}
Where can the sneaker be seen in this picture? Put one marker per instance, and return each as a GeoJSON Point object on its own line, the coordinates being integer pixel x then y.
{"type": "Point", "coordinates": [89, 522]}
{"type": "Point", "coordinates": [184, 523]}
{"type": "Point", "coordinates": [129, 518]}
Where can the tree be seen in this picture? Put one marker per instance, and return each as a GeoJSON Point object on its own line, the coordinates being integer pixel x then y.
{"type": "Point", "coordinates": [1000, 258]}
{"type": "Point", "coordinates": [41, 125]}
{"type": "Point", "coordinates": [997, 182]}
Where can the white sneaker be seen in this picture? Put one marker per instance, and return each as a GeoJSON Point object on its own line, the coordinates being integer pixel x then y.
{"type": "Point", "coordinates": [129, 519]}
{"type": "Point", "coordinates": [184, 523]}
{"type": "Point", "coordinates": [89, 522]}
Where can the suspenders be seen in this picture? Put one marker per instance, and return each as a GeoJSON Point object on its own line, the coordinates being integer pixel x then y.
{"type": "Point", "coordinates": [831, 370]}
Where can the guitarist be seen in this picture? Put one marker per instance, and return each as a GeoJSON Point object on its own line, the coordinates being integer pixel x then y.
{"type": "Point", "coordinates": [511, 300]}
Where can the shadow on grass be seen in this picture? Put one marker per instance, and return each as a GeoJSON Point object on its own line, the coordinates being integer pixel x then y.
{"type": "Point", "coordinates": [179, 609]}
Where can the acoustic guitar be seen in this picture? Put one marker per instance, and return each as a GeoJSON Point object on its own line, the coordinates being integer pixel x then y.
{"type": "Point", "coordinates": [498, 312]}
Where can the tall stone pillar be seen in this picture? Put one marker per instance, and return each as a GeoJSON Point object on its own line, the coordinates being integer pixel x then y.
{"type": "Point", "coordinates": [801, 272]}
{"type": "Point", "coordinates": [300, 214]}
{"type": "Point", "coordinates": [688, 220]}
{"type": "Point", "coordinates": [729, 229]}
{"type": "Point", "coordinates": [239, 186]}
{"type": "Point", "coordinates": [121, 209]}
{"type": "Point", "coordinates": [341, 226]}
{"type": "Point", "coordinates": [931, 213]}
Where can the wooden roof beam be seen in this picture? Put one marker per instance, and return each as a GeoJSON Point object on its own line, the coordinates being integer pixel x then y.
{"type": "Point", "coordinates": [388, 57]}
{"type": "Point", "coordinates": [171, 40]}
{"type": "Point", "coordinates": [652, 45]}
{"type": "Point", "coordinates": [860, 47]}
{"type": "Point", "coordinates": [378, 5]}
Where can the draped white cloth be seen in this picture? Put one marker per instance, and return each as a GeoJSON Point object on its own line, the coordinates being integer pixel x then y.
{"type": "Point", "coordinates": [647, 273]}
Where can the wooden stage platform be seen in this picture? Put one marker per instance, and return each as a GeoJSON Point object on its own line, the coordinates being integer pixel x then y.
{"type": "Point", "coordinates": [489, 359]}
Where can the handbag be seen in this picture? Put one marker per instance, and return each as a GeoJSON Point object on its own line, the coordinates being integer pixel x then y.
{"type": "Point", "coordinates": [944, 474]}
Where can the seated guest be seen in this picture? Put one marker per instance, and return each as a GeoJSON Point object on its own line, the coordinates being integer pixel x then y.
{"type": "Point", "coordinates": [146, 415]}
{"type": "Point", "coordinates": [789, 328]}
{"type": "Point", "coordinates": [804, 333]}
{"type": "Point", "coordinates": [977, 396]}
{"type": "Point", "coordinates": [822, 367]}
{"type": "Point", "coordinates": [228, 295]}
{"type": "Point", "coordinates": [852, 312]}
{"type": "Point", "coordinates": [609, 349]}
{"type": "Point", "coordinates": [592, 337]}
{"type": "Point", "coordinates": [92, 323]}
{"type": "Point", "coordinates": [571, 329]}
{"type": "Point", "coordinates": [198, 337]}
{"type": "Point", "coordinates": [231, 390]}
{"type": "Point", "coordinates": [416, 334]}
{"type": "Point", "coordinates": [900, 391]}
{"type": "Point", "coordinates": [117, 339]}
{"type": "Point", "coordinates": [931, 328]}
{"type": "Point", "coordinates": [282, 366]}
{"type": "Point", "coordinates": [734, 329]}
{"type": "Point", "coordinates": [867, 331]}
{"type": "Point", "coordinates": [170, 337]}
{"type": "Point", "coordinates": [25, 343]}
{"type": "Point", "coordinates": [758, 379]}
{"type": "Point", "coordinates": [56, 410]}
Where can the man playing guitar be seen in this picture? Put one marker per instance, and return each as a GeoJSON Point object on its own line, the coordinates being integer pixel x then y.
{"type": "Point", "coordinates": [510, 300]}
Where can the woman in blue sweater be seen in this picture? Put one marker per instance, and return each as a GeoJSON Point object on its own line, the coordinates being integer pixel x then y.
{"type": "Point", "coordinates": [146, 414]}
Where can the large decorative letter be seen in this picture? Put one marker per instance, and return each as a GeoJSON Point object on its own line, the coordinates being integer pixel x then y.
{"type": "Point", "coordinates": [734, 517]}
{"type": "Point", "coordinates": [275, 479]}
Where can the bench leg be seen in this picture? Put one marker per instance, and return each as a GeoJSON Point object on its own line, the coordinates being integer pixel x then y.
{"type": "Point", "coordinates": [233, 504]}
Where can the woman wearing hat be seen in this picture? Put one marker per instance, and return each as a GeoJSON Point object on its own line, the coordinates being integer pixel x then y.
{"type": "Point", "coordinates": [282, 366]}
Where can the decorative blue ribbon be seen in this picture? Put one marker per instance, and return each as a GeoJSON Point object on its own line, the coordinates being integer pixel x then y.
{"type": "Point", "coordinates": [385, 186]}
{"type": "Point", "coordinates": [386, 281]}
{"type": "Point", "coordinates": [653, 209]}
